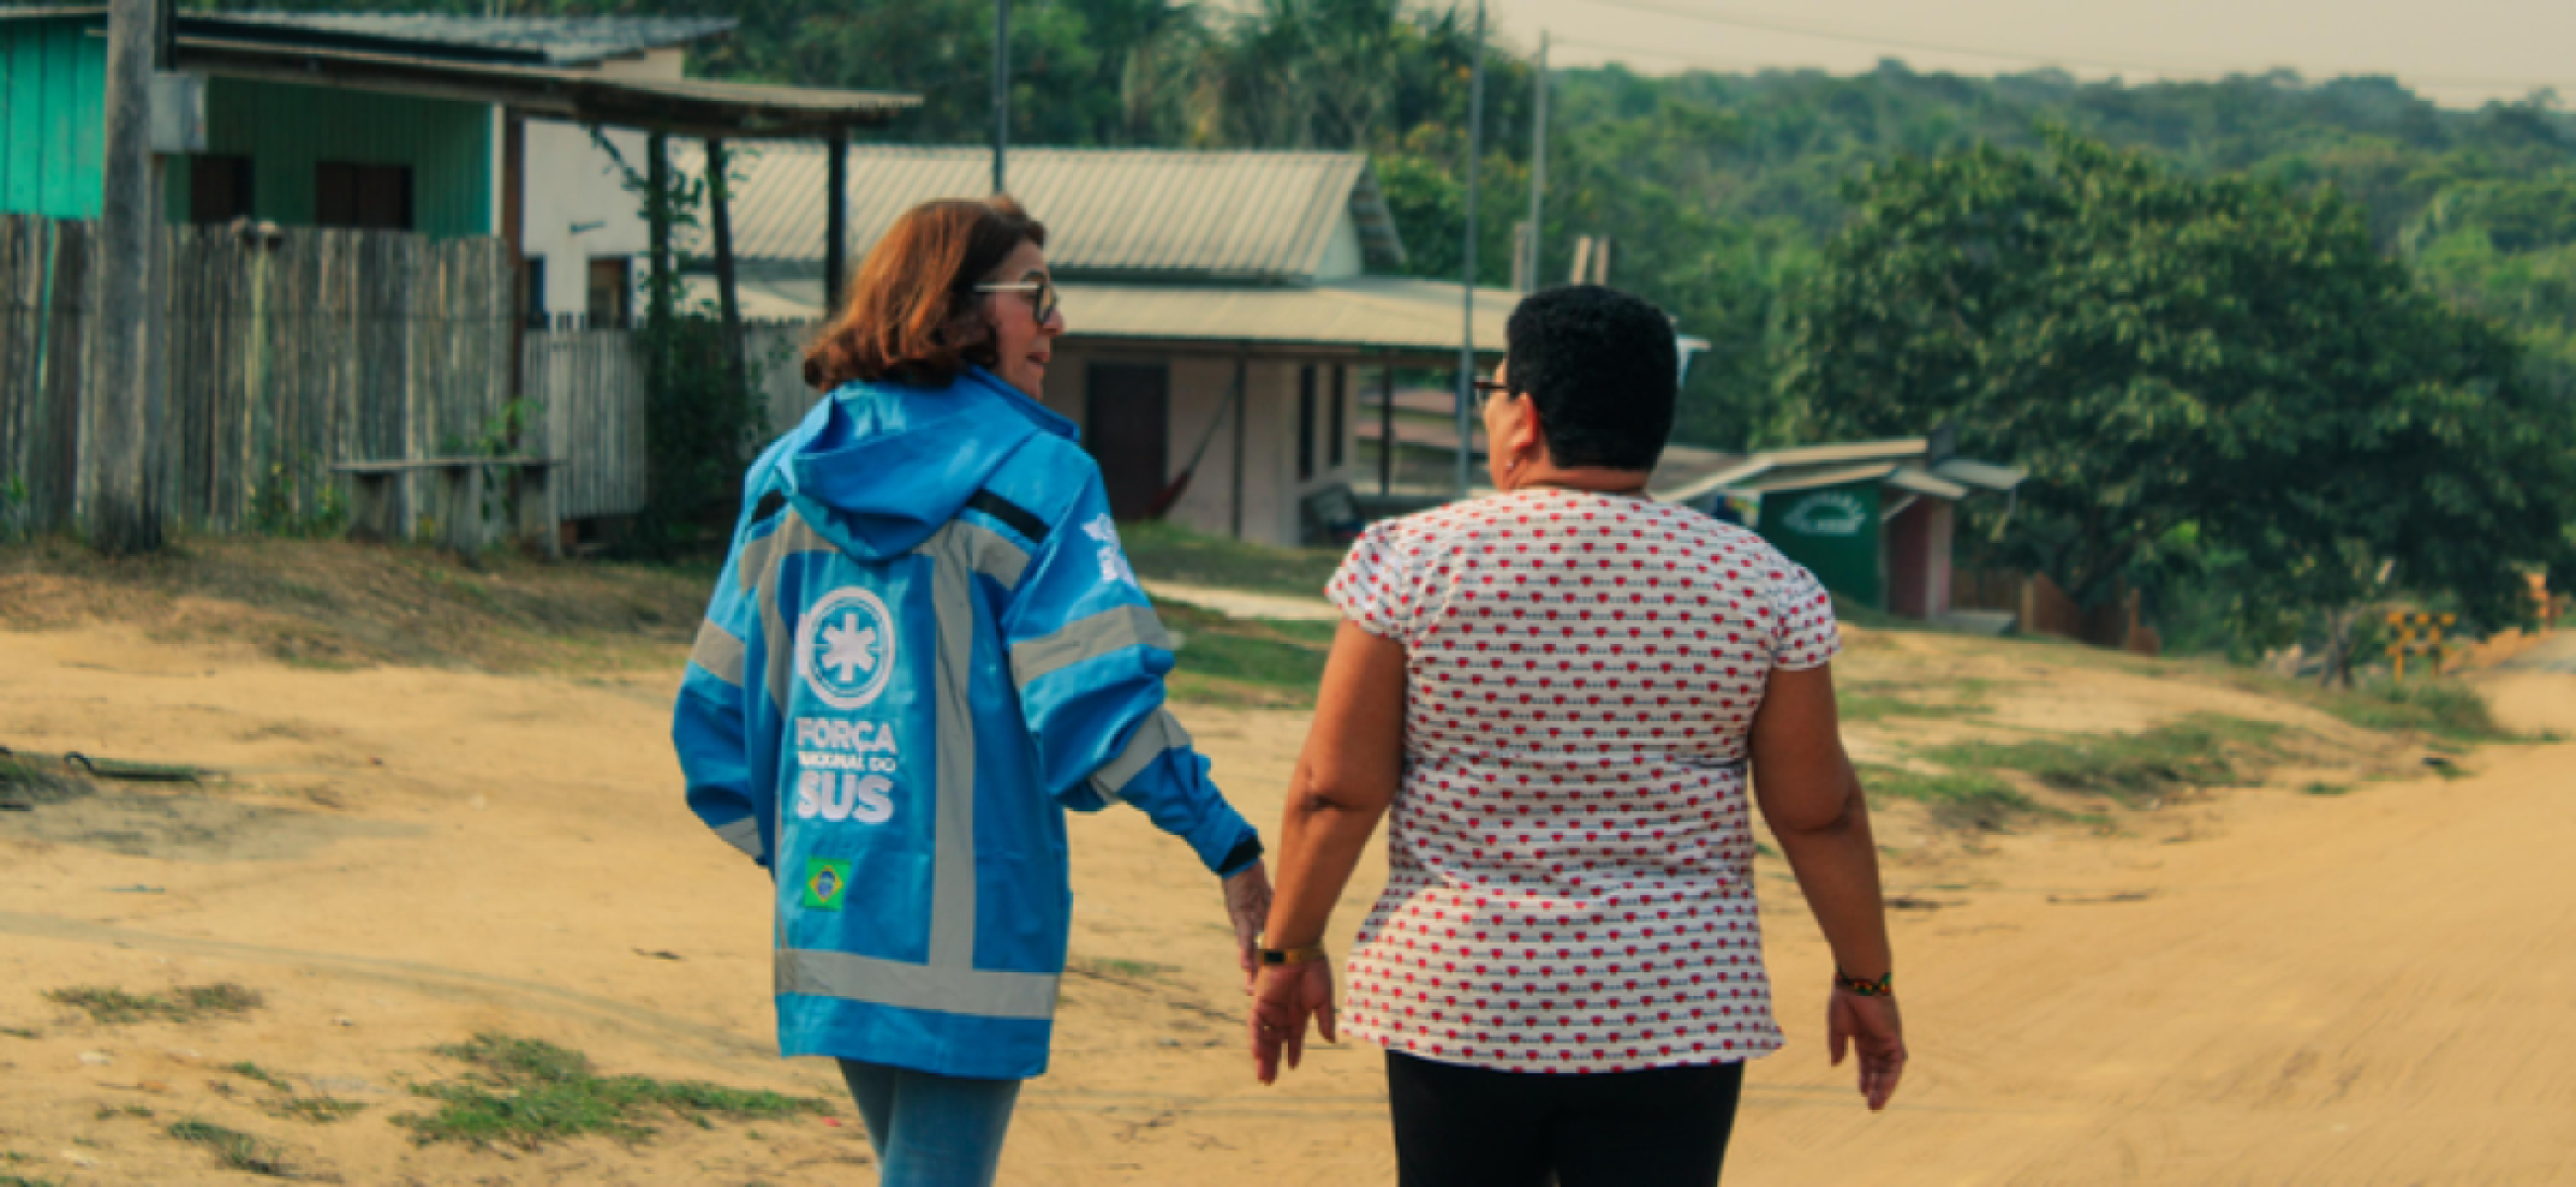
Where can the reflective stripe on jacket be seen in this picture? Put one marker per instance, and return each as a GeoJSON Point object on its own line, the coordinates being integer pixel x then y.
{"type": "Point", "coordinates": [926, 645]}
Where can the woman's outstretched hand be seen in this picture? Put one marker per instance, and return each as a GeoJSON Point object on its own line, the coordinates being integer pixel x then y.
{"type": "Point", "coordinates": [1871, 1027]}
{"type": "Point", "coordinates": [1247, 906]}
{"type": "Point", "coordinates": [1283, 998]}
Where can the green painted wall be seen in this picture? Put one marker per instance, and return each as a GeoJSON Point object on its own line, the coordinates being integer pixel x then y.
{"type": "Point", "coordinates": [286, 130]}
{"type": "Point", "coordinates": [1834, 531]}
{"type": "Point", "coordinates": [53, 83]}
{"type": "Point", "coordinates": [53, 87]}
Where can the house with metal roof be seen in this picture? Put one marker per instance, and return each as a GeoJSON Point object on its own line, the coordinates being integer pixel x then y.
{"type": "Point", "coordinates": [439, 124]}
{"type": "Point", "coordinates": [1224, 309]}
{"type": "Point", "coordinates": [1874, 520]}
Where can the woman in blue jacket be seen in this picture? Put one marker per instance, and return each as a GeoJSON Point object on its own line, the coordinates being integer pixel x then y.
{"type": "Point", "coordinates": [925, 646]}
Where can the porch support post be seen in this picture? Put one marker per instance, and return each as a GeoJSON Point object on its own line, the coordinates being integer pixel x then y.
{"type": "Point", "coordinates": [836, 220]}
{"type": "Point", "coordinates": [1242, 401]}
{"type": "Point", "coordinates": [1386, 424]}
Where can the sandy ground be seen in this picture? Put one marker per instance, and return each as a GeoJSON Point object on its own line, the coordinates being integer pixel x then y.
{"type": "Point", "coordinates": [2260, 986]}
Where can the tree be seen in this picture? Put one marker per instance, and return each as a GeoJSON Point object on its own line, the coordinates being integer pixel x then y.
{"type": "Point", "coordinates": [2217, 359]}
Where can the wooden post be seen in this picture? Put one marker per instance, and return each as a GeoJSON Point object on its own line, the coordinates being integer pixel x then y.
{"type": "Point", "coordinates": [836, 221]}
{"type": "Point", "coordinates": [658, 209]}
{"type": "Point", "coordinates": [720, 214]}
{"type": "Point", "coordinates": [514, 225]}
{"type": "Point", "coordinates": [1386, 424]}
{"type": "Point", "coordinates": [1242, 400]}
{"type": "Point", "coordinates": [118, 475]}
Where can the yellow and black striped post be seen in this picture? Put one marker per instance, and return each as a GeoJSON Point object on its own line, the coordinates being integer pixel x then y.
{"type": "Point", "coordinates": [2417, 633]}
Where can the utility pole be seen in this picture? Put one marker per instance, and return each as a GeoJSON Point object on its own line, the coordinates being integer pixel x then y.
{"type": "Point", "coordinates": [1538, 169]}
{"type": "Point", "coordinates": [1467, 343]}
{"type": "Point", "coordinates": [1001, 95]}
{"type": "Point", "coordinates": [118, 505]}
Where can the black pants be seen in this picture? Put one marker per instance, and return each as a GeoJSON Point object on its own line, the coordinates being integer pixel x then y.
{"type": "Point", "coordinates": [1478, 1127]}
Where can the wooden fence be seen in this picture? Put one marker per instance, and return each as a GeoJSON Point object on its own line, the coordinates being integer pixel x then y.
{"type": "Point", "coordinates": [588, 386]}
{"type": "Point", "coordinates": [286, 354]}
{"type": "Point", "coordinates": [2039, 607]}
{"type": "Point", "coordinates": [292, 352]}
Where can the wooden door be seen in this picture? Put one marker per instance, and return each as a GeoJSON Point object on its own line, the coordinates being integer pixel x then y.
{"type": "Point", "coordinates": [1129, 432]}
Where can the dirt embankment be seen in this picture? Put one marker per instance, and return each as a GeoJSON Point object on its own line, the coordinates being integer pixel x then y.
{"type": "Point", "coordinates": [2340, 974]}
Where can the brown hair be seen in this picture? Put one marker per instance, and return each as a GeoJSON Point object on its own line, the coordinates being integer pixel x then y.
{"type": "Point", "coordinates": [912, 313]}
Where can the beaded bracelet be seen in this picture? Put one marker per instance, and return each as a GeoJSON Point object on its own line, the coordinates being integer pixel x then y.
{"type": "Point", "coordinates": [1883, 986]}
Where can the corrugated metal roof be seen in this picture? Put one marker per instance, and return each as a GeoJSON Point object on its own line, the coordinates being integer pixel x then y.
{"type": "Point", "coordinates": [1264, 217]}
{"type": "Point", "coordinates": [1413, 317]}
{"type": "Point", "coordinates": [557, 41]}
{"type": "Point", "coordinates": [1922, 482]}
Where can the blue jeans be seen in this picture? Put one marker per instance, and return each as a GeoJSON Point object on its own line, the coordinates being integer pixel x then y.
{"type": "Point", "coordinates": [932, 1130]}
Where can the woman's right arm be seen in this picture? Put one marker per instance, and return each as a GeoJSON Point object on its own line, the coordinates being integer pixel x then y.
{"type": "Point", "coordinates": [1812, 799]}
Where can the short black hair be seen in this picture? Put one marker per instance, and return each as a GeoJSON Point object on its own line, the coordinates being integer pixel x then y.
{"type": "Point", "coordinates": [1602, 368]}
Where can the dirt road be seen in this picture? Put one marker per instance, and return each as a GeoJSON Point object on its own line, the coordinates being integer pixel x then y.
{"type": "Point", "coordinates": [2269, 987]}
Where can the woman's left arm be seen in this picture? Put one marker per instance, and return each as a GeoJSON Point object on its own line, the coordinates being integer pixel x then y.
{"type": "Point", "coordinates": [1346, 777]}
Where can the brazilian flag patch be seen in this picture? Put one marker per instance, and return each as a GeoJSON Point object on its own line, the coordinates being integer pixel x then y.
{"type": "Point", "coordinates": [827, 884]}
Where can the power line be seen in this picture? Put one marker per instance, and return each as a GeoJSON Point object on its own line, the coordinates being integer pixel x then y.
{"type": "Point", "coordinates": [1767, 25]}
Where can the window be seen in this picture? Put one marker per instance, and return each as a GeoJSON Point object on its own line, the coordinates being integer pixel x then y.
{"type": "Point", "coordinates": [218, 189]}
{"type": "Point", "coordinates": [612, 292]}
{"type": "Point", "coordinates": [1338, 426]}
{"type": "Point", "coordinates": [1305, 423]}
{"type": "Point", "coordinates": [366, 197]}
{"type": "Point", "coordinates": [532, 289]}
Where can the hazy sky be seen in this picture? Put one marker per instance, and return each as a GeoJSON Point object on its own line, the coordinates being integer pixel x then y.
{"type": "Point", "coordinates": [2459, 52]}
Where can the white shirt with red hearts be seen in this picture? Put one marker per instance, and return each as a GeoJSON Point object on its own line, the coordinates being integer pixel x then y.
{"type": "Point", "coordinates": [1570, 883]}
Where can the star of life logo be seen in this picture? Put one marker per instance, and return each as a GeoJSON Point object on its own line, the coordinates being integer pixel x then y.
{"type": "Point", "coordinates": [845, 648]}
{"type": "Point", "coordinates": [1113, 560]}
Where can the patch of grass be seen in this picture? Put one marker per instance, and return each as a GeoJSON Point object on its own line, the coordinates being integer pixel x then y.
{"type": "Point", "coordinates": [1960, 799]}
{"type": "Point", "coordinates": [1876, 700]}
{"type": "Point", "coordinates": [321, 1110]}
{"type": "Point", "coordinates": [1162, 551]}
{"type": "Point", "coordinates": [111, 1112]}
{"type": "Point", "coordinates": [27, 783]}
{"type": "Point", "coordinates": [110, 1006]}
{"type": "Point", "coordinates": [24, 1181]}
{"type": "Point", "coordinates": [2321, 788]}
{"type": "Point", "coordinates": [234, 1149]}
{"type": "Point", "coordinates": [1246, 661]}
{"type": "Point", "coordinates": [1129, 970]}
{"type": "Point", "coordinates": [2441, 708]}
{"type": "Point", "coordinates": [527, 1092]}
{"type": "Point", "coordinates": [252, 1071]}
{"type": "Point", "coordinates": [2204, 750]}
{"type": "Point", "coordinates": [21, 1032]}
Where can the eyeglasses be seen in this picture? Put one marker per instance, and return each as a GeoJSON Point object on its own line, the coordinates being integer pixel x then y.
{"type": "Point", "coordinates": [1493, 387]}
{"type": "Point", "coordinates": [1041, 293]}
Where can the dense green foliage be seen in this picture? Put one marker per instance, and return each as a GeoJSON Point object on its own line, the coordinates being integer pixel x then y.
{"type": "Point", "coordinates": [2187, 367]}
{"type": "Point", "coordinates": [1721, 194]}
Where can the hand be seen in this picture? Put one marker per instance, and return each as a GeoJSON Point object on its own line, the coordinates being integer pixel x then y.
{"type": "Point", "coordinates": [1283, 998]}
{"type": "Point", "coordinates": [1869, 1025]}
{"type": "Point", "coordinates": [1247, 906]}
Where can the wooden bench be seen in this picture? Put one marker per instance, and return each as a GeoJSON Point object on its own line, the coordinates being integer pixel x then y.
{"type": "Point", "coordinates": [457, 499]}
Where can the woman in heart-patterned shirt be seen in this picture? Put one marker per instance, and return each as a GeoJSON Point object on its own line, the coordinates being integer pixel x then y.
{"type": "Point", "coordinates": [1572, 681]}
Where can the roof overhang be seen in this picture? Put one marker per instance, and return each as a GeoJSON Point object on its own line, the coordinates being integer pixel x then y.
{"type": "Point", "coordinates": [680, 106]}
{"type": "Point", "coordinates": [1409, 322]}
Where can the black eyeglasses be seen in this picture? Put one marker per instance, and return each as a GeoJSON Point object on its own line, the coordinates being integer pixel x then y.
{"type": "Point", "coordinates": [1041, 293]}
{"type": "Point", "coordinates": [1493, 386]}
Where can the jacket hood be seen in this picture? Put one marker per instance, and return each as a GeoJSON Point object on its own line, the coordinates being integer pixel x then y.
{"type": "Point", "coordinates": [883, 465]}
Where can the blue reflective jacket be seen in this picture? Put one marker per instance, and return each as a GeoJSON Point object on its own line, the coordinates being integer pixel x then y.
{"type": "Point", "coordinates": [926, 645]}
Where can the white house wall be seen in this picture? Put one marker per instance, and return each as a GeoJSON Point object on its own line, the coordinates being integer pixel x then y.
{"type": "Point", "coordinates": [578, 208]}
{"type": "Point", "coordinates": [1343, 257]}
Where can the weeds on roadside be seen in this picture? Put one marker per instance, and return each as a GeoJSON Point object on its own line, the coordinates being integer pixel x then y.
{"type": "Point", "coordinates": [527, 1092]}
{"type": "Point", "coordinates": [1116, 969]}
{"type": "Point", "coordinates": [2203, 750]}
{"type": "Point", "coordinates": [110, 1006]}
{"type": "Point", "coordinates": [235, 1149]}
{"type": "Point", "coordinates": [1969, 799]}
